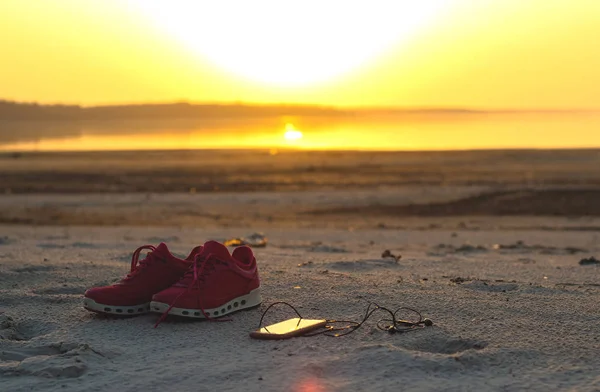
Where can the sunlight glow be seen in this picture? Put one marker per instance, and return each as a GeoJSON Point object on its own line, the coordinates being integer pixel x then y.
{"type": "Point", "coordinates": [290, 43]}
{"type": "Point", "coordinates": [292, 133]}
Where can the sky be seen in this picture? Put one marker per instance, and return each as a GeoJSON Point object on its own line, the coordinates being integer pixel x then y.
{"type": "Point", "coordinates": [492, 54]}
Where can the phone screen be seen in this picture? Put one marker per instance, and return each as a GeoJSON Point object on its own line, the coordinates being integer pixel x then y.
{"type": "Point", "coordinates": [290, 325]}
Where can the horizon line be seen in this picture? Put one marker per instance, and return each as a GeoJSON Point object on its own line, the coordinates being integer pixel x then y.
{"type": "Point", "coordinates": [309, 105]}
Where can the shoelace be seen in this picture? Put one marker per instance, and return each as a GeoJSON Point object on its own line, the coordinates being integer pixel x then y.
{"type": "Point", "coordinates": [136, 263]}
{"type": "Point", "coordinates": [198, 275]}
{"type": "Point", "coordinates": [195, 274]}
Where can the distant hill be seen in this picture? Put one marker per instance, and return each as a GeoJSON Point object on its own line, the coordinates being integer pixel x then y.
{"type": "Point", "coordinates": [12, 111]}
{"type": "Point", "coordinates": [32, 111]}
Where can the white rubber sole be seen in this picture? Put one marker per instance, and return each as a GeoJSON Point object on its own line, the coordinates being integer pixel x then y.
{"type": "Point", "coordinates": [249, 300]}
{"type": "Point", "coordinates": [93, 306]}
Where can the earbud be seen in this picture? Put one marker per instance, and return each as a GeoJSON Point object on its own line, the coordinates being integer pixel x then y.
{"type": "Point", "coordinates": [427, 322]}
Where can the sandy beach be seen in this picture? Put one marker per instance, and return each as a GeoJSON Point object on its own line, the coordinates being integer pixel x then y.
{"type": "Point", "coordinates": [513, 308]}
{"type": "Point", "coordinates": [512, 311]}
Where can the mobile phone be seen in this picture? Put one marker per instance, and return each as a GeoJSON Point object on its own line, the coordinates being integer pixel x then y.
{"type": "Point", "coordinates": [287, 329]}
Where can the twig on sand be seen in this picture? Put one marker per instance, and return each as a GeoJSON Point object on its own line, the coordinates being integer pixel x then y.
{"type": "Point", "coordinates": [386, 253]}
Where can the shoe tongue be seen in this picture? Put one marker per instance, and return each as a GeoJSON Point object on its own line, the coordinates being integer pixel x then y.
{"type": "Point", "coordinates": [216, 249]}
{"type": "Point", "coordinates": [163, 250]}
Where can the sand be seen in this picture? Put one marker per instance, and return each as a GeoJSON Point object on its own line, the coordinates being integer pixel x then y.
{"type": "Point", "coordinates": [190, 171]}
{"type": "Point", "coordinates": [490, 244]}
{"type": "Point", "coordinates": [512, 307]}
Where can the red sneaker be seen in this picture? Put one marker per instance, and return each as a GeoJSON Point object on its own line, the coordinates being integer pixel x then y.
{"type": "Point", "coordinates": [218, 284]}
{"type": "Point", "coordinates": [132, 295]}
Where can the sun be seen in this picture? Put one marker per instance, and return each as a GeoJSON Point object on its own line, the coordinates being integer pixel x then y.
{"type": "Point", "coordinates": [291, 133]}
{"type": "Point", "coordinates": [290, 42]}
